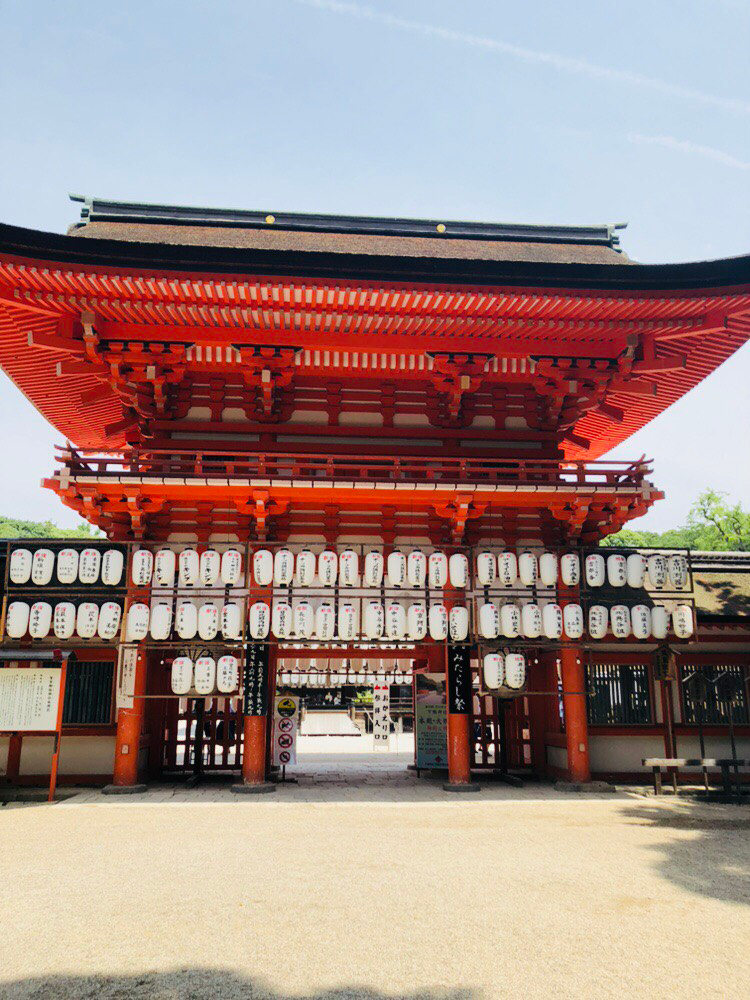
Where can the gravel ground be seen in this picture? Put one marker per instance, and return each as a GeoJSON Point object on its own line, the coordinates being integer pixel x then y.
{"type": "Point", "coordinates": [562, 896]}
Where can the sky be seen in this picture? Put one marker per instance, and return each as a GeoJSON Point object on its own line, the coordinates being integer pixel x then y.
{"type": "Point", "coordinates": [581, 112]}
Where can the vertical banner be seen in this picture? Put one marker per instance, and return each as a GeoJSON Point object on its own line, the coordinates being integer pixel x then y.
{"type": "Point", "coordinates": [430, 722]}
{"type": "Point", "coordinates": [459, 679]}
{"type": "Point", "coordinates": [126, 678]}
{"type": "Point", "coordinates": [381, 715]}
{"type": "Point", "coordinates": [256, 679]}
{"type": "Point", "coordinates": [285, 729]}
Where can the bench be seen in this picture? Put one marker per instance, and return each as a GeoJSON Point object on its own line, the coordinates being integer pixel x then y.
{"type": "Point", "coordinates": [725, 763]}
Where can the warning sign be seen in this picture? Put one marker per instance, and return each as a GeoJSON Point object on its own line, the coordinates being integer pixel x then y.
{"type": "Point", "coordinates": [285, 728]}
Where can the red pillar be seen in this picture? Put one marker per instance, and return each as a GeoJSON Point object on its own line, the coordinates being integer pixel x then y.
{"type": "Point", "coordinates": [15, 745]}
{"type": "Point", "coordinates": [574, 705]}
{"type": "Point", "coordinates": [128, 740]}
{"type": "Point", "coordinates": [459, 739]}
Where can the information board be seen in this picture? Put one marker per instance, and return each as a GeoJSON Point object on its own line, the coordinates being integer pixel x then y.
{"type": "Point", "coordinates": [29, 698]}
{"type": "Point", "coordinates": [285, 729]}
{"type": "Point", "coordinates": [256, 680]}
{"type": "Point", "coordinates": [381, 715]}
{"type": "Point", "coordinates": [430, 721]}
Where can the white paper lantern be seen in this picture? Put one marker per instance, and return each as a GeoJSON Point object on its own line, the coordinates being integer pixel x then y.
{"type": "Point", "coordinates": [531, 621]}
{"type": "Point", "coordinates": [205, 675]}
{"type": "Point", "coordinates": [161, 621]}
{"type": "Point", "coordinates": [325, 621]}
{"type": "Point", "coordinates": [396, 564]}
{"type": "Point", "coordinates": [182, 675]}
{"type": "Point", "coordinates": [142, 567]}
{"type": "Point", "coordinates": [87, 619]}
{"type": "Point", "coordinates": [573, 621]}
{"type": "Point", "coordinates": [304, 620]}
{"type": "Point", "coordinates": [89, 564]}
{"type": "Point", "coordinates": [189, 567]}
{"type": "Point", "coordinates": [598, 621]}
{"type": "Point", "coordinates": [416, 568]}
{"type": "Point", "coordinates": [40, 620]}
{"type": "Point", "coordinates": [282, 620]}
{"type": "Point", "coordinates": [64, 620]}
{"type": "Point", "coordinates": [260, 620]}
{"type": "Point", "coordinates": [570, 569]}
{"type": "Point", "coordinates": [458, 623]}
{"type": "Point", "coordinates": [677, 568]}
{"type": "Point", "coordinates": [283, 568]}
{"type": "Point", "coordinates": [528, 569]}
{"type": "Point", "coordinates": [186, 620]}
{"type": "Point", "coordinates": [395, 620]}
{"type": "Point", "coordinates": [635, 571]}
{"type": "Point", "coordinates": [108, 626]}
{"type": "Point", "coordinates": [210, 567]}
{"type": "Point", "coordinates": [659, 621]}
{"type": "Point", "coordinates": [489, 620]}
{"type": "Point", "coordinates": [510, 621]}
{"type": "Point", "coordinates": [17, 619]}
{"type": "Point", "coordinates": [263, 567]}
{"type": "Point", "coordinates": [548, 569]}
{"type": "Point", "coordinates": [437, 622]}
{"type": "Point", "coordinates": [617, 570]}
{"type": "Point", "coordinates": [416, 621]}
{"type": "Point", "coordinates": [67, 566]}
{"type": "Point", "coordinates": [165, 567]}
{"type": "Point", "coordinates": [640, 621]}
{"type": "Point", "coordinates": [42, 566]}
{"type": "Point", "coordinates": [619, 617]}
{"type": "Point", "coordinates": [486, 569]}
{"type": "Point", "coordinates": [682, 621]}
{"type": "Point", "coordinates": [349, 568]}
{"type": "Point", "coordinates": [208, 622]}
{"type": "Point", "coordinates": [493, 670]}
{"type": "Point", "coordinates": [231, 620]}
{"type": "Point", "coordinates": [657, 570]}
{"type": "Point", "coordinates": [304, 573]}
{"type": "Point", "coordinates": [231, 567]}
{"type": "Point", "coordinates": [458, 571]}
{"type": "Point", "coordinates": [515, 671]}
{"type": "Point", "coordinates": [552, 621]}
{"type": "Point", "coordinates": [437, 570]}
{"type": "Point", "coordinates": [136, 627]}
{"type": "Point", "coordinates": [507, 569]}
{"type": "Point", "coordinates": [20, 567]}
{"type": "Point", "coordinates": [328, 567]}
{"type": "Point", "coordinates": [374, 625]}
{"type": "Point", "coordinates": [227, 674]}
{"type": "Point", "coordinates": [348, 621]}
{"type": "Point", "coordinates": [374, 567]}
{"type": "Point", "coordinates": [113, 563]}
{"type": "Point", "coordinates": [595, 570]}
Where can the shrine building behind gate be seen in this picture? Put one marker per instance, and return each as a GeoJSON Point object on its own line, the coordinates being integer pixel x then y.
{"type": "Point", "coordinates": [361, 447]}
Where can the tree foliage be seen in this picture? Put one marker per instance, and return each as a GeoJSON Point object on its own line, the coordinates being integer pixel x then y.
{"type": "Point", "coordinates": [13, 527]}
{"type": "Point", "coordinates": [713, 525]}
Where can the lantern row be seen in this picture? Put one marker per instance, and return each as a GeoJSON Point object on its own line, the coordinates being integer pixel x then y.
{"type": "Point", "coordinates": [399, 569]}
{"type": "Point", "coordinates": [531, 621]}
{"type": "Point", "coordinates": [206, 676]}
{"type": "Point", "coordinates": [504, 670]}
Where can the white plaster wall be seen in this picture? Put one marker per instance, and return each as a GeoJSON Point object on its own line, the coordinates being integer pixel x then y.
{"type": "Point", "coordinates": [78, 755]}
{"type": "Point", "coordinates": [557, 757]}
{"type": "Point", "coordinates": [4, 743]}
{"type": "Point", "coordinates": [623, 753]}
{"type": "Point", "coordinates": [716, 746]}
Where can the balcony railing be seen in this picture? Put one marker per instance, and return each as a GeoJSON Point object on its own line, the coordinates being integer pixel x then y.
{"type": "Point", "coordinates": [174, 462]}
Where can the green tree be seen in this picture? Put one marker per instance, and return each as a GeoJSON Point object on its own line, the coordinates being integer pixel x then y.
{"type": "Point", "coordinates": [13, 527]}
{"type": "Point", "coordinates": [712, 525]}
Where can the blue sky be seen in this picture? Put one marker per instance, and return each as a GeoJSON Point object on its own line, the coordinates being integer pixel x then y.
{"type": "Point", "coordinates": [547, 112]}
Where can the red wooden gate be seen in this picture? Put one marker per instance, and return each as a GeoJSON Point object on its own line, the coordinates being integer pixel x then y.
{"type": "Point", "coordinates": [502, 733]}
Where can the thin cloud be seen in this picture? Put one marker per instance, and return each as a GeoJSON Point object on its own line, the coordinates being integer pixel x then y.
{"type": "Point", "coordinates": [691, 148]}
{"type": "Point", "coordinates": [563, 63]}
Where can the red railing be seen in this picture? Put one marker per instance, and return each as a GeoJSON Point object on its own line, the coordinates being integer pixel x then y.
{"type": "Point", "coordinates": [174, 462]}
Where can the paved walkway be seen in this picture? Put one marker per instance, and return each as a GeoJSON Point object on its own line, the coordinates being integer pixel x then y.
{"type": "Point", "coordinates": [331, 889]}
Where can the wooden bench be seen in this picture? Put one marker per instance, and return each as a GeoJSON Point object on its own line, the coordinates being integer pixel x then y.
{"type": "Point", "coordinates": [725, 763]}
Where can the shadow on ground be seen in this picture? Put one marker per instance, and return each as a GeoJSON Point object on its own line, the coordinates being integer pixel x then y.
{"type": "Point", "coordinates": [195, 984]}
{"type": "Point", "coordinates": [714, 859]}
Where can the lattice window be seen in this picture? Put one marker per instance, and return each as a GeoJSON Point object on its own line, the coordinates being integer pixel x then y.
{"type": "Point", "coordinates": [711, 692]}
{"type": "Point", "coordinates": [618, 694]}
{"type": "Point", "coordinates": [88, 694]}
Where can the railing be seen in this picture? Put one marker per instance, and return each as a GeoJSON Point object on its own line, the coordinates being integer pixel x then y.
{"type": "Point", "coordinates": [176, 462]}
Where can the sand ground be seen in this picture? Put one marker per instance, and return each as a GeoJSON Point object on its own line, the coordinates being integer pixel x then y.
{"type": "Point", "coordinates": [376, 893]}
